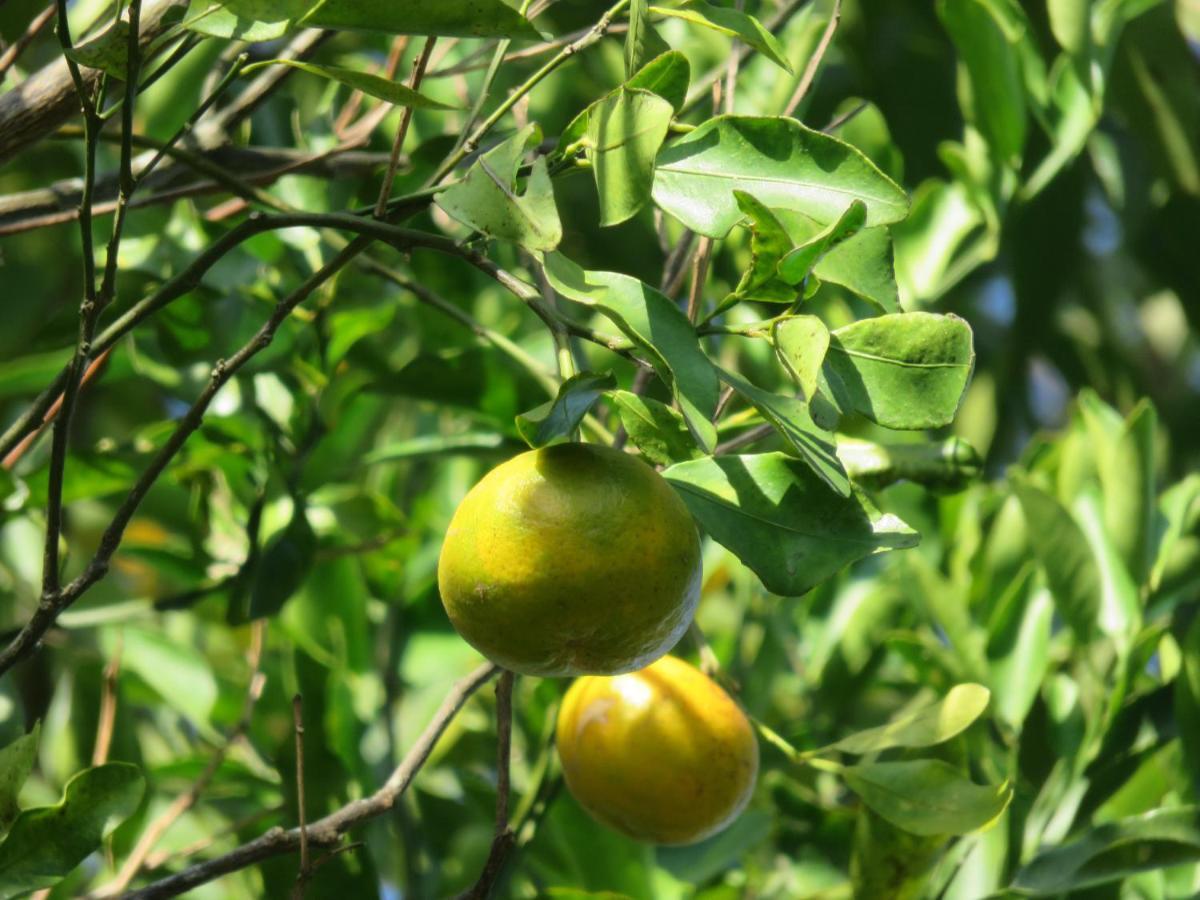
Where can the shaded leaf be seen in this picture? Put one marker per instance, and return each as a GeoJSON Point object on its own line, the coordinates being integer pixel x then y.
{"type": "Point", "coordinates": [47, 842]}
{"type": "Point", "coordinates": [801, 343]}
{"type": "Point", "coordinates": [486, 199]}
{"type": "Point", "coordinates": [927, 796]}
{"type": "Point", "coordinates": [108, 51]}
{"type": "Point", "coordinates": [779, 518]}
{"type": "Point", "coordinates": [654, 428]}
{"type": "Point", "coordinates": [791, 419]}
{"type": "Point", "coordinates": [934, 724]}
{"type": "Point", "coordinates": [384, 88]}
{"type": "Point", "coordinates": [179, 673]}
{"type": "Point", "coordinates": [769, 242]}
{"type": "Point", "coordinates": [624, 132]}
{"type": "Point", "coordinates": [797, 264]}
{"type": "Point", "coordinates": [1187, 700]}
{"type": "Point", "coordinates": [635, 37]}
{"type": "Point", "coordinates": [863, 264]}
{"type": "Point", "coordinates": [908, 370]}
{"type": "Point", "coordinates": [667, 75]}
{"type": "Point", "coordinates": [1115, 850]}
{"type": "Point", "coordinates": [731, 22]}
{"type": "Point", "coordinates": [285, 564]}
{"type": "Point", "coordinates": [16, 762]}
{"type": "Point", "coordinates": [560, 417]}
{"type": "Point", "coordinates": [1178, 507]}
{"type": "Point", "coordinates": [658, 326]}
{"type": "Point", "coordinates": [264, 20]}
{"type": "Point", "coordinates": [779, 162]}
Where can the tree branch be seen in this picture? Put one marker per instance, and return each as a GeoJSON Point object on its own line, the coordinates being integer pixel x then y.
{"type": "Point", "coordinates": [503, 840]}
{"type": "Point", "coordinates": [327, 831]}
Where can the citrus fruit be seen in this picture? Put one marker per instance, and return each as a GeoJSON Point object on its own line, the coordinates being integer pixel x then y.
{"type": "Point", "coordinates": [572, 559]}
{"type": "Point", "coordinates": [663, 755]}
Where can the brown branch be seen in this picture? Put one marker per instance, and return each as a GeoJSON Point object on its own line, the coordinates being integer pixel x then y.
{"type": "Point", "coordinates": [47, 98]}
{"type": "Point", "coordinates": [326, 832]}
{"type": "Point", "coordinates": [504, 838]}
{"type": "Point", "coordinates": [108, 707]}
{"type": "Point", "coordinates": [305, 869]}
{"type": "Point", "coordinates": [139, 856]}
{"type": "Point", "coordinates": [814, 61]}
{"type": "Point", "coordinates": [406, 113]}
{"type": "Point", "coordinates": [745, 439]}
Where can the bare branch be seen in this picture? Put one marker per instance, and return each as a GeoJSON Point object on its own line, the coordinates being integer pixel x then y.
{"type": "Point", "coordinates": [814, 62]}
{"type": "Point", "coordinates": [406, 113]}
{"type": "Point", "coordinates": [502, 842]}
{"type": "Point", "coordinates": [9, 57]}
{"type": "Point", "coordinates": [327, 832]}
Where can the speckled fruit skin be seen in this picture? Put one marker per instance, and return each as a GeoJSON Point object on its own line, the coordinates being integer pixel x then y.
{"type": "Point", "coordinates": [663, 755]}
{"type": "Point", "coordinates": [572, 559]}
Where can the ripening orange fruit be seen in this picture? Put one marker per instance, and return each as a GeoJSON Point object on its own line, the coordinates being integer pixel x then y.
{"type": "Point", "coordinates": [572, 559]}
{"type": "Point", "coordinates": [663, 754]}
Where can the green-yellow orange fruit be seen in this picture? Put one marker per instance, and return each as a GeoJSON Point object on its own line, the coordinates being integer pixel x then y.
{"type": "Point", "coordinates": [573, 559]}
{"type": "Point", "coordinates": [663, 755]}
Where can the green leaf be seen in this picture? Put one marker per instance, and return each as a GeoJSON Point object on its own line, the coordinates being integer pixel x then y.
{"type": "Point", "coordinates": [908, 370]}
{"type": "Point", "coordinates": [179, 673]}
{"type": "Point", "coordinates": [1125, 461]}
{"type": "Point", "coordinates": [801, 343]}
{"type": "Point", "coordinates": [1120, 611]}
{"type": "Point", "coordinates": [1113, 851]}
{"type": "Point", "coordinates": [934, 724]}
{"type": "Point", "coordinates": [285, 564]}
{"type": "Point", "coordinates": [560, 417]}
{"type": "Point", "coordinates": [47, 842]}
{"type": "Point", "coordinates": [29, 374]}
{"type": "Point", "coordinates": [654, 428]}
{"type": "Point", "coordinates": [779, 518]}
{"type": "Point", "coordinates": [1070, 22]}
{"type": "Point", "coordinates": [264, 20]}
{"type": "Point", "coordinates": [486, 199]}
{"type": "Point", "coordinates": [948, 466]}
{"type": "Point", "coordinates": [733, 23]}
{"type": "Point", "coordinates": [1019, 649]}
{"type": "Point", "coordinates": [384, 88]}
{"type": "Point", "coordinates": [667, 75]}
{"type": "Point", "coordinates": [108, 51]}
{"type": "Point", "coordinates": [1177, 509]}
{"type": "Point", "coordinates": [436, 445]}
{"type": "Point", "coordinates": [656, 325]}
{"type": "Point", "coordinates": [927, 796]}
{"type": "Point", "coordinates": [791, 419]}
{"type": "Point", "coordinates": [16, 762]}
{"type": "Point", "coordinates": [769, 242]}
{"type": "Point", "coordinates": [1187, 700]}
{"type": "Point", "coordinates": [1063, 551]}
{"type": "Point", "coordinates": [988, 46]}
{"type": "Point", "coordinates": [624, 132]}
{"type": "Point", "coordinates": [796, 265]}
{"type": "Point", "coordinates": [863, 264]}
{"type": "Point", "coordinates": [635, 37]}
{"type": "Point", "coordinates": [779, 162]}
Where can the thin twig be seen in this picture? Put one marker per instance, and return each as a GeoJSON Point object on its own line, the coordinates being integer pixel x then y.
{"type": "Point", "coordinates": [327, 831]}
{"type": "Point", "coordinates": [9, 57]}
{"type": "Point", "coordinates": [814, 61]}
{"type": "Point", "coordinates": [108, 707]}
{"type": "Point", "coordinates": [502, 841]}
{"type": "Point", "coordinates": [745, 439]}
{"type": "Point", "coordinates": [406, 114]}
{"type": "Point", "coordinates": [838, 121]}
{"type": "Point", "coordinates": [298, 721]}
{"type": "Point", "coordinates": [139, 857]}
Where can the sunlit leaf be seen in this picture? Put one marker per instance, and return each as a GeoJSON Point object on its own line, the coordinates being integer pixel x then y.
{"type": "Point", "coordinates": [560, 417]}
{"type": "Point", "coordinates": [927, 796]}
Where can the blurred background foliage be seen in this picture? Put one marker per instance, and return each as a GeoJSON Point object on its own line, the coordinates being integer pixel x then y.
{"type": "Point", "coordinates": [1052, 151]}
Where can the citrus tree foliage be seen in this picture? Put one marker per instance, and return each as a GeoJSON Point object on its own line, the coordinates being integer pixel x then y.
{"type": "Point", "coordinates": [900, 298]}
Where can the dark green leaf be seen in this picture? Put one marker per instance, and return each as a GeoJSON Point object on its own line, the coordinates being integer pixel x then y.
{"type": "Point", "coordinates": [1177, 509]}
{"type": "Point", "coordinates": [29, 374]}
{"type": "Point", "coordinates": [16, 762]}
{"type": "Point", "coordinates": [47, 842]}
{"type": "Point", "coordinates": [486, 198]}
{"type": "Point", "coordinates": [907, 370]}
{"type": "Point", "coordinates": [1187, 700]}
{"type": "Point", "coordinates": [1061, 548]}
{"type": "Point", "coordinates": [284, 565]}
{"type": "Point", "coordinates": [791, 419]}
{"type": "Point", "coordinates": [264, 20]}
{"type": "Point", "coordinates": [560, 417]}
{"type": "Point", "coordinates": [1114, 850]}
{"type": "Point", "coordinates": [779, 518]}
{"type": "Point", "coordinates": [796, 265]}
{"type": "Point", "coordinates": [732, 22]}
{"type": "Point", "coordinates": [927, 796]}
{"type": "Point", "coordinates": [624, 132]}
{"type": "Point", "coordinates": [384, 88]}
{"type": "Point", "coordinates": [988, 45]}
{"type": "Point", "coordinates": [779, 162]}
{"type": "Point", "coordinates": [635, 37]}
{"type": "Point", "coordinates": [667, 75]}
{"type": "Point", "coordinates": [654, 428]}
{"type": "Point", "coordinates": [801, 343]}
{"type": "Point", "coordinates": [927, 727]}
{"type": "Point", "coordinates": [658, 326]}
